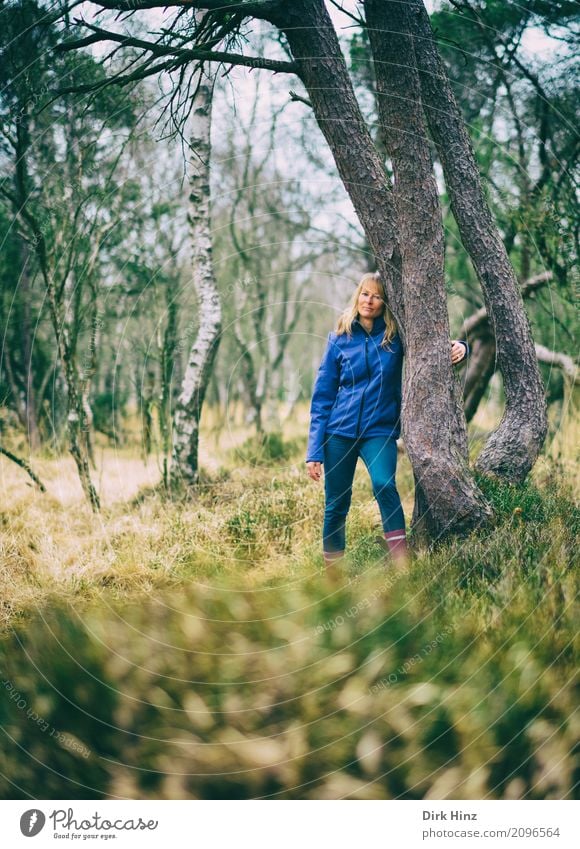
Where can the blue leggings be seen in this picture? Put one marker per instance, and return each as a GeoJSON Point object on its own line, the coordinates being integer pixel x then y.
{"type": "Point", "coordinates": [341, 453]}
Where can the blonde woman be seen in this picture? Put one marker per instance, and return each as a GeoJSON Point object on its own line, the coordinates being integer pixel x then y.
{"type": "Point", "coordinates": [355, 411]}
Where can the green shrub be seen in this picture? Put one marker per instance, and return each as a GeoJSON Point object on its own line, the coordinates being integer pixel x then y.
{"type": "Point", "coordinates": [527, 502]}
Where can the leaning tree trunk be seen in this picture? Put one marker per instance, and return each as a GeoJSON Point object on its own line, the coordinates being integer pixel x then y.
{"type": "Point", "coordinates": [430, 418]}
{"type": "Point", "coordinates": [513, 447]}
{"type": "Point", "coordinates": [482, 362]}
{"type": "Point", "coordinates": [449, 498]}
{"type": "Point", "coordinates": [185, 466]}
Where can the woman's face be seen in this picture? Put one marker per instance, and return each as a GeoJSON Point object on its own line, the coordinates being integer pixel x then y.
{"type": "Point", "coordinates": [370, 301]}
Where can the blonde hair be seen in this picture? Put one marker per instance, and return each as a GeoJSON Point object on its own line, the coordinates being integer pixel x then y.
{"type": "Point", "coordinates": [347, 318]}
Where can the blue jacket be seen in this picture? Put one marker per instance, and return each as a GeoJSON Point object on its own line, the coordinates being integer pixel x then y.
{"type": "Point", "coordinates": [358, 388]}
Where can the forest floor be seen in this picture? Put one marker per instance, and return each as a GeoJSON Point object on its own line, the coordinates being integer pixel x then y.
{"type": "Point", "coordinates": [196, 649]}
{"type": "Point", "coordinates": [255, 519]}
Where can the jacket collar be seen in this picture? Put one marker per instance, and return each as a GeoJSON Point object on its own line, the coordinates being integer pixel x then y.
{"type": "Point", "coordinates": [378, 326]}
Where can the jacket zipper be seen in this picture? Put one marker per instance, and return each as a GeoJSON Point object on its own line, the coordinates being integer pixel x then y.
{"type": "Point", "coordinates": [362, 397]}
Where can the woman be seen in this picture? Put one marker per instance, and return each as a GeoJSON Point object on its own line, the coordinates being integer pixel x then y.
{"type": "Point", "coordinates": [355, 411]}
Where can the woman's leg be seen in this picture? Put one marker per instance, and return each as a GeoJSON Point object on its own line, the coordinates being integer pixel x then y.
{"type": "Point", "coordinates": [340, 456]}
{"type": "Point", "coordinates": [380, 457]}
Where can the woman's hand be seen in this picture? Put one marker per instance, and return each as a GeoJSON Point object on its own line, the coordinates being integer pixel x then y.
{"type": "Point", "coordinates": [457, 352]}
{"type": "Point", "coordinates": [314, 470]}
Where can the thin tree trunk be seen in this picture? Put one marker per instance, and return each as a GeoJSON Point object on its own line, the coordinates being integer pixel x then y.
{"type": "Point", "coordinates": [146, 401]}
{"type": "Point", "coordinates": [23, 465]}
{"type": "Point", "coordinates": [17, 394]}
{"type": "Point", "coordinates": [88, 372]}
{"type": "Point", "coordinates": [168, 347]}
{"type": "Point", "coordinates": [185, 466]}
{"type": "Point", "coordinates": [480, 369]}
{"type": "Point", "coordinates": [513, 447]}
{"type": "Point", "coordinates": [249, 379]}
{"type": "Point", "coordinates": [26, 340]}
{"type": "Point", "coordinates": [75, 413]}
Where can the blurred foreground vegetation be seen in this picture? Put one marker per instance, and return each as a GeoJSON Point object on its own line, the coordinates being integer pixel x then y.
{"type": "Point", "coordinates": [194, 649]}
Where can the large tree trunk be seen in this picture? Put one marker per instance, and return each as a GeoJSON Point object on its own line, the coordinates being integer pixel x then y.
{"type": "Point", "coordinates": [203, 351]}
{"type": "Point", "coordinates": [430, 418]}
{"type": "Point", "coordinates": [448, 498]}
{"type": "Point", "coordinates": [322, 69]}
{"type": "Point", "coordinates": [513, 447]}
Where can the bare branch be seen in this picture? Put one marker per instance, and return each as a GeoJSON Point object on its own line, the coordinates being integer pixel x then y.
{"type": "Point", "coordinates": [560, 360]}
{"type": "Point", "coordinates": [478, 318]}
{"type": "Point", "coordinates": [359, 21]}
{"type": "Point", "coordinates": [297, 98]}
{"type": "Point", "coordinates": [255, 8]}
{"type": "Point", "coordinates": [23, 465]}
{"type": "Point", "coordinates": [177, 56]}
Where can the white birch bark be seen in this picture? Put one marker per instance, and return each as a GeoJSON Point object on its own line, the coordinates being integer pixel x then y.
{"type": "Point", "coordinates": [185, 460]}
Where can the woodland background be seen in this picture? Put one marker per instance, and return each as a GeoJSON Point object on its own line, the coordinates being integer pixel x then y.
{"type": "Point", "coordinates": [163, 641]}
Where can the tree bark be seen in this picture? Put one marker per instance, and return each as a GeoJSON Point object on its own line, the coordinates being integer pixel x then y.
{"type": "Point", "coordinates": [447, 497]}
{"type": "Point", "coordinates": [434, 428]}
{"type": "Point", "coordinates": [513, 447]}
{"type": "Point", "coordinates": [185, 466]}
{"type": "Point", "coordinates": [482, 362]}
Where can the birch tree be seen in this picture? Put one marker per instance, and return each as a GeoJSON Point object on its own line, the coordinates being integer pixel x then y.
{"type": "Point", "coordinates": [185, 466]}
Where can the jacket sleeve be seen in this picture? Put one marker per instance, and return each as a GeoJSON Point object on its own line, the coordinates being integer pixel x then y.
{"type": "Point", "coordinates": [323, 398]}
{"type": "Point", "coordinates": [466, 346]}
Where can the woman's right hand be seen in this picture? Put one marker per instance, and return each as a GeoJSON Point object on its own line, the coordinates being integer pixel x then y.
{"type": "Point", "coordinates": [314, 470]}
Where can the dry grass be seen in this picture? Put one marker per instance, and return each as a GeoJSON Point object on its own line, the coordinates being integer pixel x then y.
{"type": "Point", "coordinates": [252, 524]}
